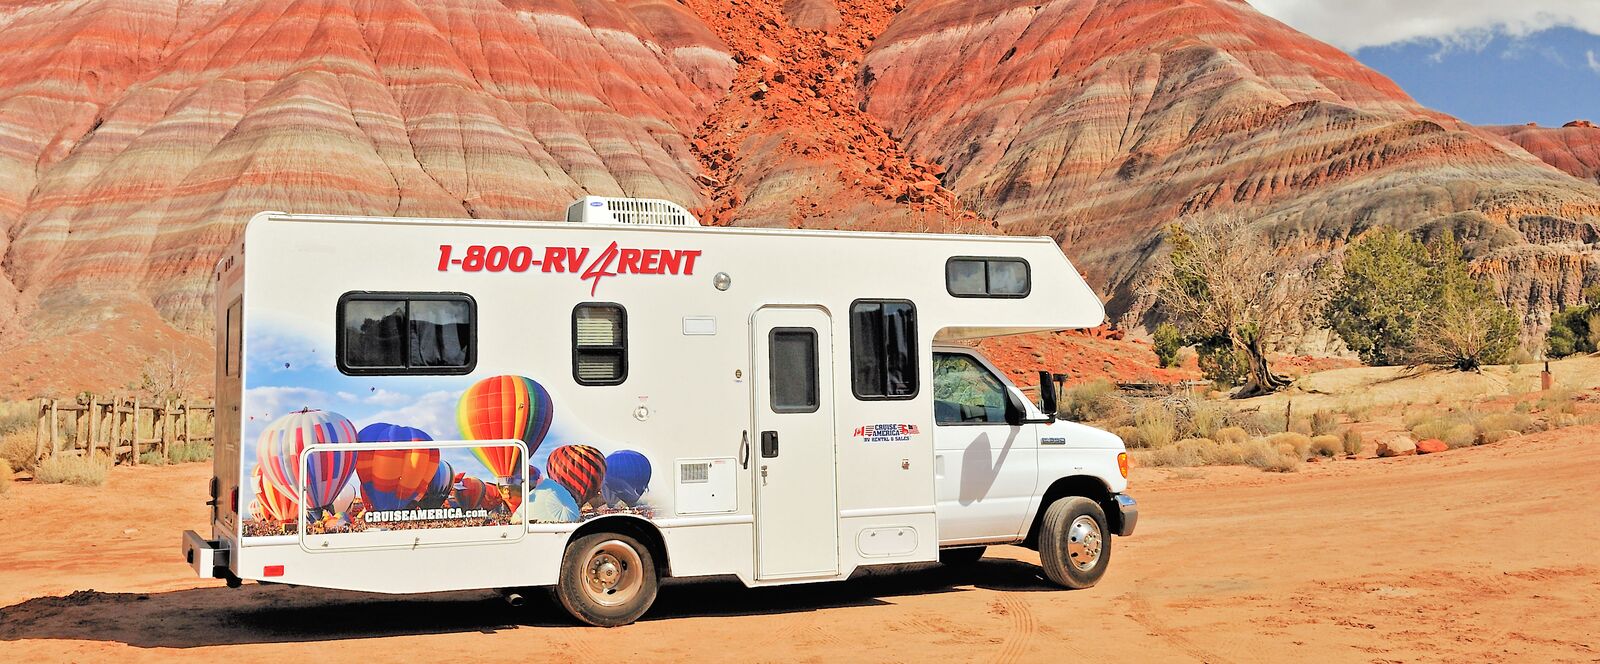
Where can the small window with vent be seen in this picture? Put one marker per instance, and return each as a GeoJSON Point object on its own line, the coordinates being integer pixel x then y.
{"type": "Point", "coordinates": [599, 344]}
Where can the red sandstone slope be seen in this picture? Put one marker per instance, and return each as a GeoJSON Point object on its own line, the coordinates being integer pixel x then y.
{"type": "Point", "coordinates": [1573, 148]}
{"type": "Point", "coordinates": [137, 135]}
{"type": "Point", "coordinates": [1101, 121]}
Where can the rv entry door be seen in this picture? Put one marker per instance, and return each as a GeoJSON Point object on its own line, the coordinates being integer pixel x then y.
{"type": "Point", "coordinates": [796, 509]}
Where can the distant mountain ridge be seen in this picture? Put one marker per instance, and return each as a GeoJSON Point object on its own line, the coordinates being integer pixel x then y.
{"type": "Point", "coordinates": [136, 136]}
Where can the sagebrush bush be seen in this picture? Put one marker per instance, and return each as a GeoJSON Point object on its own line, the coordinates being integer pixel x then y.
{"type": "Point", "coordinates": [73, 469]}
{"type": "Point", "coordinates": [1223, 454]}
{"type": "Point", "coordinates": [1129, 436]}
{"type": "Point", "coordinates": [1268, 422]}
{"type": "Point", "coordinates": [1233, 435]}
{"type": "Point", "coordinates": [1461, 435]}
{"type": "Point", "coordinates": [1297, 443]}
{"type": "Point", "coordinates": [1266, 455]}
{"type": "Point", "coordinates": [1326, 446]}
{"type": "Point", "coordinates": [1351, 442]}
{"type": "Point", "coordinates": [5, 477]}
{"type": "Point", "coordinates": [1094, 401]}
{"type": "Point", "coordinates": [1444, 427]}
{"type": "Point", "coordinates": [1324, 423]}
{"type": "Point", "coordinates": [1559, 400]}
{"type": "Point", "coordinates": [1182, 454]}
{"type": "Point", "coordinates": [1496, 436]}
{"type": "Point", "coordinates": [18, 448]}
{"type": "Point", "coordinates": [1517, 422]}
{"type": "Point", "coordinates": [1357, 411]}
{"type": "Point", "coordinates": [1157, 426]}
{"type": "Point", "coordinates": [1206, 418]}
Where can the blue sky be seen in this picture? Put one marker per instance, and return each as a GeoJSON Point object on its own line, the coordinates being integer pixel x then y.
{"type": "Point", "coordinates": [1484, 61]}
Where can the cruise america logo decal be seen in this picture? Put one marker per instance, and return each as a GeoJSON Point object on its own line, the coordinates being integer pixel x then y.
{"type": "Point", "coordinates": [609, 262]}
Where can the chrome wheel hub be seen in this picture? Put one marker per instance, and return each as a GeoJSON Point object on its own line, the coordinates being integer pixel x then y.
{"type": "Point", "coordinates": [614, 573]}
{"type": "Point", "coordinates": [1083, 543]}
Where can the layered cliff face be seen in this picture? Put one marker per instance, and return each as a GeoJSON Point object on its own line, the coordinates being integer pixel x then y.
{"type": "Point", "coordinates": [1574, 148]}
{"type": "Point", "coordinates": [136, 136]}
{"type": "Point", "coordinates": [1101, 121]}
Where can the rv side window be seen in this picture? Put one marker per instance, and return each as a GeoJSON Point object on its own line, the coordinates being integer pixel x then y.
{"type": "Point", "coordinates": [233, 336]}
{"type": "Point", "coordinates": [793, 371]}
{"type": "Point", "coordinates": [988, 277]}
{"type": "Point", "coordinates": [966, 392]}
{"type": "Point", "coordinates": [406, 333]}
{"type": "Point", "coordinates": [599, 344]}
{"type": "Point", "coordinates": [883, 349]}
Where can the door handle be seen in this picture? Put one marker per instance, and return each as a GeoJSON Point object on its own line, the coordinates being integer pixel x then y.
{"type": "Point", "coordinates": [769, 444]}
{"type": "Point", "coordinates": [744, 449]}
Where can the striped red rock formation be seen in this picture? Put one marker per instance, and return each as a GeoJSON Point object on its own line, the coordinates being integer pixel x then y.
{"type": "Point", "coordinates": [1574, 148]}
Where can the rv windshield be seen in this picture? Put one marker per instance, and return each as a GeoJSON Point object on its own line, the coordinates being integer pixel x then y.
{"type": "Point", "coordinates": [966, 392]}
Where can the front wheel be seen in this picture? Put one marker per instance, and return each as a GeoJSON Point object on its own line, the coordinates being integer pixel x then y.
{"type": "Point", "coordinates": [1074, 542]}
{"type": "Point", "coordinates": [607, 579]}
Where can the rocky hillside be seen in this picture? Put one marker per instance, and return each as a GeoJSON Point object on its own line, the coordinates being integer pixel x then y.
{"type": "Point", "coordinates": [1573, 147]}
{"type": "Point", "coordinates": [137, 135]}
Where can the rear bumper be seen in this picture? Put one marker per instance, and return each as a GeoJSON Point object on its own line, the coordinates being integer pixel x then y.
{"type": "Point", "coordinates": [209, 558]}
{"type": "Point", "coordinates": [1128, 509]}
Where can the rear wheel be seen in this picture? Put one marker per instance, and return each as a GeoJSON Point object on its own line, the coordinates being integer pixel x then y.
{"type": "Point", "coordinates": [1074, 542]}
{"type": "Point", "coordinates": [962, 556]}
{"type": "Point", "coordinates": [607, 579]}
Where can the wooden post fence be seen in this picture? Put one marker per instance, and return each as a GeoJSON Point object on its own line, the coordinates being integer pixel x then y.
{"type": "Point", "coordinates": [92, 423]}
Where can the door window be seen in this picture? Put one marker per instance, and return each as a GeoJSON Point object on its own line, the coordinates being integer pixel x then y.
{"type": "Point", "coordinates": [793, 374]}
{"type": "Point", "coordinates": [966, 392]}
{"type": "Point", "coordinates": [883, 349]}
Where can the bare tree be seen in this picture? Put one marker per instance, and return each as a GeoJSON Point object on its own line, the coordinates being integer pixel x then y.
{"type": "Point", "coordinates": [166, 376]}
{"type": "Point", "coordinates": [1225, 281]}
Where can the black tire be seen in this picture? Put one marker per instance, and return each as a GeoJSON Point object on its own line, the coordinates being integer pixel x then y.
{"type": "Point", "coordinates": [583, 589]}
{"type": "Point", "coordinates": [1066, 539]}
{"type": "Point", "coordinates": [961, 557]}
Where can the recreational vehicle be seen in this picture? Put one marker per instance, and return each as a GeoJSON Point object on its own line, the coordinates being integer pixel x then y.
{"type": "Point", "coordinates": [595, 404]}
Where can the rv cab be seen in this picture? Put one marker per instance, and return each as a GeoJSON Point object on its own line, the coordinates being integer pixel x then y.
{"type": "Point", "coordinates": [598, 403]}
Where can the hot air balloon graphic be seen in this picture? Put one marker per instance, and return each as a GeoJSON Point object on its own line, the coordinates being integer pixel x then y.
{"type": "Point", "coordinates": [550, 502]}
{"type": "Point", "coordinates": [394, 479]}
{"type": "Point", "coordinates": [257, 512]}
{"type": "Point", "coordinates": [627, 478]}
{"type": "Point", "coordinates": [579, 468]}
{"type": "Point", "coordinates": [439, 487]}
{"type": "Point", "coordinates": [279, 451]}
{"type": "Point", "coordinates": [504, 408]}
{"type": "Point", "coordinates": [475, 494]}
{"type": "Point", "coordinates": [276, 506]}
{"type": "Point", "coordinates": [534, 475]}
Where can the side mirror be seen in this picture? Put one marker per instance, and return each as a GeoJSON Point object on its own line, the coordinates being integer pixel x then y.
{"type": "Point", "coordinates": [1017, 408]}
{"type": "Point", "coordinates": [1047, 393]}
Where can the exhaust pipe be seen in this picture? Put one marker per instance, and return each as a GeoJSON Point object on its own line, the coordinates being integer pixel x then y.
{"type": "Point", "coordinates": [513, 598]}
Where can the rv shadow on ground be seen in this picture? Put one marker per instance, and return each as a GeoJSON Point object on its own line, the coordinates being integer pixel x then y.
{"type": "Point", "coordinates": [280, 614]}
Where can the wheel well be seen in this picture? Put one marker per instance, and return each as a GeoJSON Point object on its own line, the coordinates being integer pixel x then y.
{"type": "Point", "coordinates": [1077, 485]}
{"type": "Point", "coordinates": [635, 527]}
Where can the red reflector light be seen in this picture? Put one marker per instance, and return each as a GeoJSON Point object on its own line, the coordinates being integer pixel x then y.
{"type": "Point", "coordinates": [1122, 464]}
{"type": "Point", "coordinates": [233, 500]}
{"type": "Point", "coordinates": [272, 570]}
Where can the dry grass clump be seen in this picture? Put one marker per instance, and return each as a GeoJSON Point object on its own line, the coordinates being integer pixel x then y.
{"type": "Point", "coordinates": [1268, 456]}
{"type": "Point", "coordinates": [1563, 400]}
{"type": "Point", "coordinates": [1324, 423]}
{"type": "Point", "coordinates": [1232, 435]}
{"type": "Point", "coordinates": [1488, 437]}
{"type": "Point", "coordinates": [1206, 418]}
{"type": "Point", "coordinates": [1328, 446]}
{"type": "Point", "coordinates": [188, 453]}
{"type": "Point", "coordinates": [1094, 401]}
{"type": "Point", "coordinates": [73, 469]}
{"type": "Point", "coordinates": [17, 448]}
{"type": "Point", "coordinates": [1298, 444]}
{"type": "Point", "coordinates": [1156, 426]}
{"type": "Point", "coordinates": [1517, 422]}
{"type": "Point", "coordinates": [1351, 441]}
{"type": "Point", "coordinates": [5, 477]}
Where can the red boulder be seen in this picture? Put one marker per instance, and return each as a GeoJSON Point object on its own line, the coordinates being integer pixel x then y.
{"type": "Point", "coordinates": [1431, 446]}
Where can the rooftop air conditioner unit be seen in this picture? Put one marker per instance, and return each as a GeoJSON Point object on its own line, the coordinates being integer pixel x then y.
{"type": "Point", "coordinates": [646, 211]}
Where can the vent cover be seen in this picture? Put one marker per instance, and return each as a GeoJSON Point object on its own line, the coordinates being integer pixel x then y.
{"type": "Point", "coordinates": [637, 211]}
{"type": "Point", "coordinates": [695, 473]}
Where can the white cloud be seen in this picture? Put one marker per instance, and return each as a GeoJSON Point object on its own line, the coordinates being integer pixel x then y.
{"type": "Point", "coordinates": [434, 412]}
{"type": "Point", "coordinates": [1454, 24]}
{"type": "Point", "coordinates": [270, 403]}
{"type": "Point", "coordinates": [1594, 63]}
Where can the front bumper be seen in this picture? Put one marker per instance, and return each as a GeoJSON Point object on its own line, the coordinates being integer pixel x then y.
{"type": "Point", "coordinates": [1128, 511]}
{"type": "Point", "coordinates": [209, 558]}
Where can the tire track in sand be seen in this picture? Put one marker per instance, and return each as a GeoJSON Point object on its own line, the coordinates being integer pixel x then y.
{"type": "Point", "coordinates": [1139, 610]}
{"type": "Point", "coordinates": [1022, 630]}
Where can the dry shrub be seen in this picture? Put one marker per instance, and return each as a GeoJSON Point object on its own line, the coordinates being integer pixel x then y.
{"type": "Point", "coordinates": [1266, 455]}
{"type": "Point", "coordinates": [1157, 426]}
{"type": "Point", "coordinates": [1507, 421]}
{"type": "Point", "coordinates": [1351, 441]}
{"type": "Point", "coordinates": [1094, 401]}
{"type": "Point", "coordinates": [1323, 423]}
{"type": "Point", "coordinates": [1562, 400]}
{"type": "Point", "coordinates": [1302, 426]}
{"type": "Point", "coordinates": [1444, 427]}
{"type": "Point", "coordinates": [1129, 436]}
{"type": "Point", "coordinates": [1182, 454]}
{"type": "Point", "coordinates": [1206, 418]}
{"type": "Point", "coordinates": [5, 477]}
{"type": "Point", "coordinates": [1523, 407]}
{"type": "Point", "coordinates": [1223, 454]}
{"type": "Point", "coordinates": [1357, 411]}
{"type": "Point", "coordinates": [1326, 446]}
{"type": "Point", "coordinates": [1413, 418]}
{"type": "Point", "coordinates": [1497, 436]}
{"type": "Point", "coordinates": [18, 448]}
{"type": "Point", "coordinates": [1233, 435]}
{"type": "Point", "coordinates": [1461, 435]}
{"type": "Point", "coordinates": [188, 453]}
{"type": "Point", "coordinates": [73, 469]}
{"type": "Point", "coordinates": [1298, 444]}
{"type": "Point", "coordinates": [1268, 422]}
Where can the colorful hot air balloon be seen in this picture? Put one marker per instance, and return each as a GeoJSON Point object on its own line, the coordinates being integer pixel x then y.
{"type": "Point", "coordinates": [579, 468]}
{"type": "Point", "coordinates": [550, 502]}
{"type": "Point", "coordinates": [257, 512]}
{"type": "Point", "coordinates": [439, 488]}
{"type": "Point", "coordinates": [278, 451]}
{"type": "Point", "coordinates": [393, 479]}
{"type": "Point", "coordinates": [473, 493]}
{"type": "Point", "coordinates": [504, 408]}
{"type": "Point", "coordinates": [276, 506]}
{"type": "Point", "coordinates": [627, 478]}
{"type": "Point", "coordinates": [534, 475]}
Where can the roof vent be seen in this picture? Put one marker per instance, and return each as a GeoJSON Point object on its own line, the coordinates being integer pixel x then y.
{"type": "Point", "coordinates": [641, 211]}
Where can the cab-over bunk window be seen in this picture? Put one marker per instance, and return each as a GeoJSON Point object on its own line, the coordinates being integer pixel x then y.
{"type": "Point", "coordinates": [407, 333]}
{"type": "Point", "coordinates": [970, 276]}
{"type": "Point", "coordinates": [883, 349]}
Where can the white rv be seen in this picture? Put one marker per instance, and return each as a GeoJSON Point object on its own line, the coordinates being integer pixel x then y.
{"type": "Point", "coordinates": [419, 405]}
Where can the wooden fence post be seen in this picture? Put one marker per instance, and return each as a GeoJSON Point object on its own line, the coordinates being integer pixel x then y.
{"type": "Point", "coordinates": [94, 423]}
{"type": "Point", "coordinates": [38, 430]}
{"type": "Point", "coordinates": [135, 455]}
{"type": "Point", "coordinates": [166, 429]}
{"type": "Point", "coordinates": [55, 439]}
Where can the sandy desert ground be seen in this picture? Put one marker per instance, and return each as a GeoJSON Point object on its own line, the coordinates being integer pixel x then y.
{"type": "Point", "coordinates": [1482, 554]}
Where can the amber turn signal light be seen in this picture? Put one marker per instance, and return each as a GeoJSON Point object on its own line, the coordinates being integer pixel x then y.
{"type": "Point", "coordinates": [1122, 464]}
